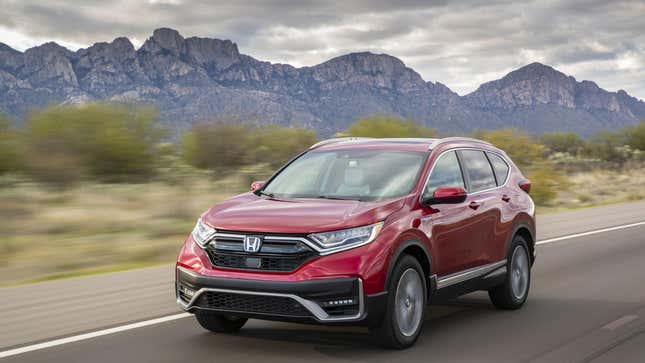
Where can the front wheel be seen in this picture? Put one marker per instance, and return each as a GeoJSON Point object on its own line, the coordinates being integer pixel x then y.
{"type": "Point", "coordinates": [406, 305]}
{"type": "Point", "coordinates": [512, 294]}
{"type": "Point", "coordinates": [219, 323]}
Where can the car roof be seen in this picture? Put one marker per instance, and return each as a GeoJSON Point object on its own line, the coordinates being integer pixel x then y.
{"type": "Point", "coordinates": [396, 144]}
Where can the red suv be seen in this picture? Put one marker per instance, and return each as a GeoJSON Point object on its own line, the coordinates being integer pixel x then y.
{"type": "Point", "coordinates": [366, 232]}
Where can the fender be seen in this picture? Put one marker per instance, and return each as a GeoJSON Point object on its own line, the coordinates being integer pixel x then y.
{"type": "Point", "coordinates": [519, 225]}
{"type": "Point", "coordinates": [399, 251]}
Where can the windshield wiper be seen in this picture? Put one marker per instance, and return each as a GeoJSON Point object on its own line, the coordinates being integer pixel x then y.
{"type": "Point", "coordinates": [261, 192]}
{"type": "Point", "coordinates": [337, 198]}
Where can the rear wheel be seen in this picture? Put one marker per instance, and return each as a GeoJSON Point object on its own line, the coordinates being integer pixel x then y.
{"type": "Point", "coordinates": [219, 323]}
{"type": "Point", "coordinates": [406, 305]}
{"type": "Point", "coordinates": [514, 291]}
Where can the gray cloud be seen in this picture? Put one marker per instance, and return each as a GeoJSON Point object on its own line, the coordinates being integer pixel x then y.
{"type": "Point", "coordinates": [459, 43]}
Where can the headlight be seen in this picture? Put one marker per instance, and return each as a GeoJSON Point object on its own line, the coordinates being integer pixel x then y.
{"type": "Point", "coordinates": [345, 239]}
{"type": "Point", "coordinates": [202, 233]}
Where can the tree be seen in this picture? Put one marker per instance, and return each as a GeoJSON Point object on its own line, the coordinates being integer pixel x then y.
{"type": "Point", "coordinates": [388, 126]}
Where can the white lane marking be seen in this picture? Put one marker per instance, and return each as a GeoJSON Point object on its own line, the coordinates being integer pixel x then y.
{"type": "Point", "coordinates": [620, 322]}
{"type": "Point", "coordinates": [98, 333]}
{"type": "Point", "coordinates": [76, 338]}
{"type": "Point", "coordinates": [589, 233]}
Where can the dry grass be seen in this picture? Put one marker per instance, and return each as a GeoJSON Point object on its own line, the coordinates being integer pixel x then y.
{"type": "Point", "coordinates": [600, 187]}
{"type": "Point", "coordinates": [97, 227]}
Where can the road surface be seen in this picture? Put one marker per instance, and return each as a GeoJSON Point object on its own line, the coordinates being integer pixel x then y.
{"type": "Point", "coordinates": [587, 304]}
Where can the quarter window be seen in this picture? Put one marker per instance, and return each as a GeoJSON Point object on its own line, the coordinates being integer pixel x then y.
{"type": "Point", "coordinates": [499, 166]}
{"type": "Point", "coordinates": [478, 170]}
{"type": "Point", "coordinates": [445, 173]}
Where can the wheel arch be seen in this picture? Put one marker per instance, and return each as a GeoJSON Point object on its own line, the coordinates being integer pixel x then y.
{"type": "Point", "coordinates": [525, 231]}
{"type": "Point", "coordinates": [417, 249]}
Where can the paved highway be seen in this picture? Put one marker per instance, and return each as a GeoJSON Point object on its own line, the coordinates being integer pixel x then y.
{"type": "Point", "coordinates": [587, 303]}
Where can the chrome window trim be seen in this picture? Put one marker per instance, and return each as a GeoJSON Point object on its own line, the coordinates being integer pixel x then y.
{"type": "Point", "coordinates": [311, 306]}
{"type": "Point", "coordinates": [508, 173]}
{"type": "Point", "coordinates": [469, 274]}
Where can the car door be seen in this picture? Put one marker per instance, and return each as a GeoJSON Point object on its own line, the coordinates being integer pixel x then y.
{"type": "Point", "coordinates": [450, 227]}
{"type": "Point", "coordinates": [485, 204]}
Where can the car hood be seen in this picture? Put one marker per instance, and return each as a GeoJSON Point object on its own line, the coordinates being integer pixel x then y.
{"type": "Point", "coordinates": [251, 213]}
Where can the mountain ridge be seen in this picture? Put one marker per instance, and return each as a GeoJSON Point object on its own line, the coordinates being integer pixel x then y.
{"type": "Point", "coordinates": [194, 79]}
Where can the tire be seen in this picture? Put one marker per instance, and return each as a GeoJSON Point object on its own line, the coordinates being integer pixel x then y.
{"type": "Point", "coordinates": [219, 323]}
{"type": "Point", "coordinates": [406, 304]}
{"type": "Point", "coordinates": [512, 294]}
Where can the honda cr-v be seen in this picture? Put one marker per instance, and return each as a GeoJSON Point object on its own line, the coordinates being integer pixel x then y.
{"type": "Point", "coordinates": [364, 232]}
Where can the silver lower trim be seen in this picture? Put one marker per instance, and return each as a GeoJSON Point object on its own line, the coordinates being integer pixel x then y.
{"type": "Point", "coordinates": [311, 306]}
{"type": "Point", "coordinates": [471, 273]}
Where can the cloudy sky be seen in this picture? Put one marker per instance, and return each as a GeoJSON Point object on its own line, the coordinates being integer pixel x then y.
{"type": "Point", "coordinates": [459, 43]}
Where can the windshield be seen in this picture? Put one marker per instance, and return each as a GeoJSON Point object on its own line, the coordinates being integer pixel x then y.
{"type": "Point", "coordinates": [364, 175]}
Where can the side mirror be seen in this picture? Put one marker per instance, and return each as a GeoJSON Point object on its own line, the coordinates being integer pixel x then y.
{"type": "Point", "coordinates": [446, 195]}
{"type": "Point", "coordinates": [257, 185]}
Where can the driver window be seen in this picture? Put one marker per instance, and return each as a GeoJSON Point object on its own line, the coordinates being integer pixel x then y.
{"type": "Point", "coordinates": [445, 173]}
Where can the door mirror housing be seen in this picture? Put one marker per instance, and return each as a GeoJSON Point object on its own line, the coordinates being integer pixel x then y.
{"type": "Point", "coordinates": [446, 195]}
{"type": "Point", "coordinates": [257, 185]}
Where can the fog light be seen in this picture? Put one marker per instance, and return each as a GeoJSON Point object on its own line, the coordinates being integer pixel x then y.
{"type": "Point", "coordinates": [338, 302]}
{"type": "Point", "coordinates": [187, 291]}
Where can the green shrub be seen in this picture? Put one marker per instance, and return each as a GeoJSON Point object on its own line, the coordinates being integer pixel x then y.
{"type": "Point", "coordinates": [635, 136]}
{"type": "Point", "coordinates": [10, 148]}
{"type": "Point", "coordinates": [110, 142]}
{"type": "Point", "coordinates": [563, 142]}
{"type": "Point", "coordinates": [276, 145]}
{"type": "Point", "coordinates": [388, 126]}
{"type": "Point", "coordinates": [521, 147]}
{"type": "Point", "coordinates": [217, 146]}
{"type": "Point", "coordinates": [545, 183]}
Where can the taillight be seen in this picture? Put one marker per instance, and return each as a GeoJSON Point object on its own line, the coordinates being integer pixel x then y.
{"type": "Point", "coordinates": [525, 185]}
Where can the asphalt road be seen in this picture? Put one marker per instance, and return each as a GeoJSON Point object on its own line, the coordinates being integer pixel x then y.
{"type": "Point", "coordinates": [587, 303]}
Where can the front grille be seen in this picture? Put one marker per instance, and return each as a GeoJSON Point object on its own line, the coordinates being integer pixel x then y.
{"type": "Point", "coordinates": [281, 255]}
{"type": "Point", "coordinates": [273, 305]}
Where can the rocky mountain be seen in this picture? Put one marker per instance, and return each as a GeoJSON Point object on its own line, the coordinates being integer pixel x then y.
{"type": "Point", "coordinates": [194, 79]}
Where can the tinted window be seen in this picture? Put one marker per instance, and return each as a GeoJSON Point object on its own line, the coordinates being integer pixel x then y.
{"type": "Point", "coordinates": [478, 170]}
{"type": "Point", "coordinates": [445, 173]}
{"type": "Point", "coordinates": [500, 167]}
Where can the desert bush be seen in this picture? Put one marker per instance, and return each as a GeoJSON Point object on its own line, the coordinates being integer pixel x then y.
{"type": "Point", "coordinates": [10, 148]}
{"type": "Point", "coordinates": [217, 145]}
{"type": "Point", "coordinates": [388, 126]}
{"type": "Point", "coordinates": [276, 145]}
{"type": "Point", "coordinates": [635, 136]}
{"type": "Point", "coordinates": [520, 146]}
{"type": "Point", "coordinates": [109, 142]}
{"type": "Point", "coordinates": [563, 142]}
{"type": "Point", "coordinates": [545, 183]}
{"type": "Point", "coordinates": [609, 146]}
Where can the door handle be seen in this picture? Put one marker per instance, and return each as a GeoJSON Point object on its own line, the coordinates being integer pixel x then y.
{"type": "Point", "coordinates": [506, 198]}
{"type": "Point", "coordinates": [474, 205]}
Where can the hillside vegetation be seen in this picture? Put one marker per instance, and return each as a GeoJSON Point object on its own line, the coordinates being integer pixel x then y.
{"type": "Point", "coordinates": [102, 187]}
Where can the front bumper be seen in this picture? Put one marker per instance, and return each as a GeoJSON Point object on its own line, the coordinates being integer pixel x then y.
{"type": "Point", "coordinates": [325, 301]}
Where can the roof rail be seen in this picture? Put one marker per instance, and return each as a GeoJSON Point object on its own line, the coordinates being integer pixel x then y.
{"type": "Point", "coordinates": [337, 139]}
{"type": "Point", "coordinates": [452, 139]}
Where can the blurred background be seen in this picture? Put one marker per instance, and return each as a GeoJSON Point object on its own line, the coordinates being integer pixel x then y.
{"type": "Point", "coordinates": [104, 187]}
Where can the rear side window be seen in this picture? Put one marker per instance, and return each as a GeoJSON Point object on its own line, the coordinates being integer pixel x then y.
{"type": "Point", "coordinates": [478, 170]}
{"type": "Point", "coordinates": [445, 173]}
{"type": "Point", "coordinates": [499, 166]}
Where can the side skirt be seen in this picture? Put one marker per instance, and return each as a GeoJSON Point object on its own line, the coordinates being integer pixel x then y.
{"type": "Point", "coordinates": [479, 278]}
